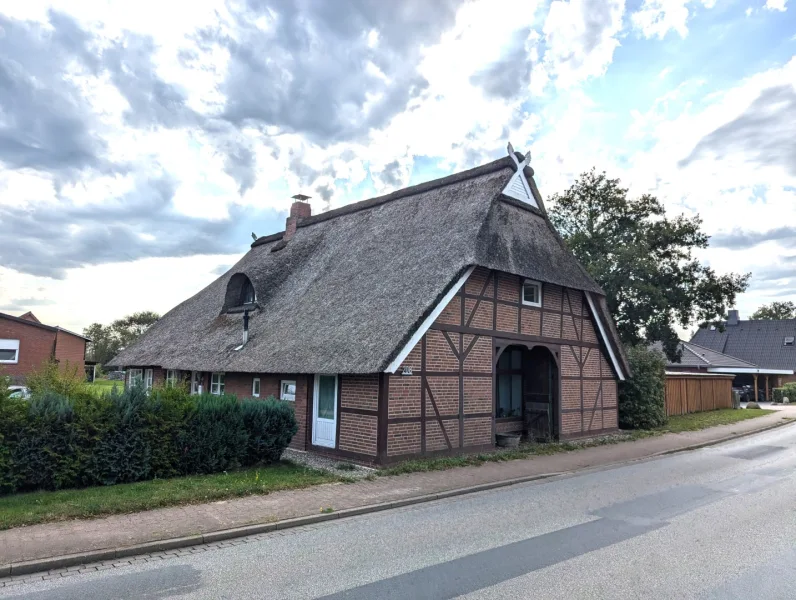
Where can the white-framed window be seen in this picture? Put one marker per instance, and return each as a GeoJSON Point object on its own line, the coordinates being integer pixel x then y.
{"type": "Point", "coordinates": [287, 390]}
{"type": "Point", "coordinates": [149, 378]}
{"type": "Point", "coordinates": [172, 377]}
{"type": "Point", "coordinates": [135, 377]}
{"type": "Point", "coordinates": [256, 387]}
{"type": "Point", "coordinates": [217, 383]}
{"type": "Point", "coordinates": [531, 293]}
{"type": "Point", "coordinates": [9, 352]}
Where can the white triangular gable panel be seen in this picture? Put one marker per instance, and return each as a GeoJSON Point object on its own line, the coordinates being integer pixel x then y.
{"type": "Point", "coordinates": [519, 189]}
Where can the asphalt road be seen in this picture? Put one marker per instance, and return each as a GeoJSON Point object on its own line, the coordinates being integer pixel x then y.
{"type": "Point", "coordinates": [714, 523]}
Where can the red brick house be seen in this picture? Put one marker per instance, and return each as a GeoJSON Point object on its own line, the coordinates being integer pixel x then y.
{"type": "Point", "coordinates": [26, 344]}
{"type": "Point", "coordinates": [420, 322]}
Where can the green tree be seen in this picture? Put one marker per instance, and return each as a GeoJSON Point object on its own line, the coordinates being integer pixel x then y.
{"type": "Point", "coordinates": [776, 311]}
{"type": "Point", "coordinates": [108, 340]}
{"type": "Point", "coordinates": [643, 259]}
{"type": "Point", "coordinates": [129, 328]}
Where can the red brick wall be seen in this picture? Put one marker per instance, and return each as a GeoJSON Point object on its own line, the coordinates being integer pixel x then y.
{"type": "Point", "coordinates": [588, 385]}
{"type": "Point", "coordinates": [70, 349]}
{"type": "Point", "coordinates": [35, 348]}
{"type": "Point", "coordinates": [359, 432]}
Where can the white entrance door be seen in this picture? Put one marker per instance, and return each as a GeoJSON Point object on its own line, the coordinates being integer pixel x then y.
{"type": "Point", "coordinates": [324, 411]}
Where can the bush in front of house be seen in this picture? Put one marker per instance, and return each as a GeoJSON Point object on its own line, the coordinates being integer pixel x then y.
{"type": "Point", "coordinates": [270, 426]}
{"type": "Point", "coordinates": [642, 396]}
{"type": "Point", "coordinates": [54, 441]}
{"type": "Point", "coordinates": [777, 395]}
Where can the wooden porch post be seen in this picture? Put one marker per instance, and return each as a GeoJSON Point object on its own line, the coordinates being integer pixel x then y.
{"type": "Point", "coordinates": [755, 398]}
{"type": "Point", "coordinates": [767, 398]}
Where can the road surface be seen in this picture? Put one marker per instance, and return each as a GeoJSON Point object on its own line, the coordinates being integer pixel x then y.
{"type": "Point", "coordinates": [713, 523]}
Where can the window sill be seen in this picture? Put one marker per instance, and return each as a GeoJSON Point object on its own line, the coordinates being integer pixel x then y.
{"type": "Point", "coordinates": [245, 307]}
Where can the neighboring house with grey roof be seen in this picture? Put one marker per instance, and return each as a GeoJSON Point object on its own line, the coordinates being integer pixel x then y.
{"type": "Point", "coordinates": [426, 321]}
{"type": "Point", "coordinates": [768, 345]}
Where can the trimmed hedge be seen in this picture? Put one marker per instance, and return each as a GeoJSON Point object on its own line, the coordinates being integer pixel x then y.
{"type": "Point", "coordinates": [777, 394]}
{"type": "Point", "coordinates": [56, 441]}
{"type": "Point", "coordinates": [642, 396]}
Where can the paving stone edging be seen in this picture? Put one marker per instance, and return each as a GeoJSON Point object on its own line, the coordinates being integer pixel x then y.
{"type": "Point", "coordinates": [92, 556]}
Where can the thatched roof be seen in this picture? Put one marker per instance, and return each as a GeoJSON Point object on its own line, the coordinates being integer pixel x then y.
{"type": "Point", "coordinates": [353, 284]}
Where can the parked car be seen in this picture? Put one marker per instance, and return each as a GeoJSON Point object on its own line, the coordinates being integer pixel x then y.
{"type": "Point", "coordinates": [19, 391]}
{"type": "Point", "coordinates": [748, 394]}
{"type": "Point", "coordinates": [116, 375]}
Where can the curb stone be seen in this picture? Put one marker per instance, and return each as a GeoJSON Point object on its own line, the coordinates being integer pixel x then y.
{"type": "Point", "coordinates": [70, 560]}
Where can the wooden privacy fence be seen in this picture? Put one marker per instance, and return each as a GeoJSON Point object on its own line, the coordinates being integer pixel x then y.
{"type": "Point", "coordinates": [693, 392]}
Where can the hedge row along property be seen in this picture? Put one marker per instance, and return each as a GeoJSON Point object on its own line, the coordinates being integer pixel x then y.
{"type": "Point", "coordinates": [56, 441]}
{"type": "Point", "coordinates": [421, 322]}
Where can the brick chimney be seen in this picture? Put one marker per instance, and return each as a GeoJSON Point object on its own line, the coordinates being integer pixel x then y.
{"type": "Point", "coordinates": [300, 209]}
{"type": "Point", "coordinates": [732, 317]}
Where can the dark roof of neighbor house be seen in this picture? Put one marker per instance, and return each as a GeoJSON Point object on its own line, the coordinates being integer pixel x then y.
{"type": "Point", "coordinates": [350, 288]}
{"type": "Point", "coordinates": [27, 321]}
{"type": "Point", "coordinates": [761, 342]}
{"type": "Point", "coordinates": [694, 355]}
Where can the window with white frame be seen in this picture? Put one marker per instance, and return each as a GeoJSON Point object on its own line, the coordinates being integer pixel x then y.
{"type": "Point", "coordinates": [288, 391]}
{"type": "Point", "coordinates": [531, 293]}
{"type": "Point", "coordinates": [149, 378]}
{"type": "Point", "coordinates": [135, 377]}
{"type": "Point", "coordinates": [172, 378]}
{"type": "Point", "coordinates": [9, 351]}
{"type": "Point", "coordinates": [217, 384]}
{"type": "Point", "coordinates": [256, 387]}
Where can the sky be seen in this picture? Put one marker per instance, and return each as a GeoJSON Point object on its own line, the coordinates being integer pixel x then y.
{"type": "Point", "coordinates": [142, 143]}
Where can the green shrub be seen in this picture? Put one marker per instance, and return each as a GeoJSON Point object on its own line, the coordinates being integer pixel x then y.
{"type": "Point", "coordinates": [270, 425]}
{"type": "Point", "coordinates": [777, 394]}
{"type": "Point", "coordinates": [214, 437]}
{"type": "Point", "coordinates": [60, 378]}
{"type": "Point", "coordinates": [789, 391]}
{"type": "Point", "coordinates": [54, 441]}
{"type": "Point", "coordinates": [642, 396]}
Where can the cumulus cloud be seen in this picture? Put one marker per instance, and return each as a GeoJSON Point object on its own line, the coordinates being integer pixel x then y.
{"type": "Point", "coordinates": [778, 5]}
{"type": "Point", "coordinates": [764, 132]}
{"type": "Point", "coordinates": [580, 38]}
{"type": "Point", "coordinates": [24, 304]}
{"type": "Point", "coordinates": [739, 239]}
{"type": "Point", "coordinates": [510, 75]}
{"type": "Point", "coordinates": [141, 223]}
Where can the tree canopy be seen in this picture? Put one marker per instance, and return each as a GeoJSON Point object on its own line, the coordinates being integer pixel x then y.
{"type": "Point", "coordinates": [776, 311]}
{"type": "Point", "coordinates": [643, 259]}
{"type": "Point", "coordinates": [108, 340]}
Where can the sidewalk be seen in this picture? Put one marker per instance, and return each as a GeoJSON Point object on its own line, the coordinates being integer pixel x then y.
{"type": "Point", "coordinates": [119, 531]}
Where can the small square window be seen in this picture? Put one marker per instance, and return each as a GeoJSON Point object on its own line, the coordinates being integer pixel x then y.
{"type": "Point", "coordinates": [288, 391]}
{"type": "Point", "coordinates": [217, 384]}
{"type": "Point", "coordinates": [789, 341]}
{"type": "Point", "coordinates": [256, 387]}
{"type": "Point", "coordinates": [531, 293]}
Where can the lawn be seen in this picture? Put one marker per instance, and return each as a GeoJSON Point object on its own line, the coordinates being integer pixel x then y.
{"type": "Point", "coordinates": [703, 420]}
{"type": "Point", "coordinates": [100, 386]}
{"type": "Point", "coordinates": [44, 507]}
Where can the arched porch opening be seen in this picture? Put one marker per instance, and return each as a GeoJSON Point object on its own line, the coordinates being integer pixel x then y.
{"type": "Point", "coordinates": [527, 390]}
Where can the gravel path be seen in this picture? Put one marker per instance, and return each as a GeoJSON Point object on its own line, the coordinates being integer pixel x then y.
{"type": "Point", "coordinates": [325, 463]}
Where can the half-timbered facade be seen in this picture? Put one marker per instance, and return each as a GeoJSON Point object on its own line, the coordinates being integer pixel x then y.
{"type": "Point", "coordinates": [427, 321]}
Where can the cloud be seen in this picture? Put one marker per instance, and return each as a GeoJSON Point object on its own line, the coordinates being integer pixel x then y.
{"type": "Point", "coordinates": [580, 38]}
{"type": "Point", "coordinates": [764, 132]}
{"type": "Point", "coordinates": [24, 304]}
{"type": "Point", "coordinates": [510, 75]}
{"type": "Point", "coordinates": [220, 269]}
{"type": "Point", "coordinates": [315, 68]}
{"type": "Point", "coordinates": [778, 5]}
{"type": "Point", "coordinates": [141, 223]}
{"type": "Point", "coordinates": [46, 122]}
{"type": "Point", "coordinates": [738, 239]}
{"type": "Point", "coordinates": [656, 18]}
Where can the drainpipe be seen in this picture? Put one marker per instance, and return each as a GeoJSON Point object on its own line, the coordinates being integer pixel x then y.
{"type": "Point", "coordinates": [245, 326]}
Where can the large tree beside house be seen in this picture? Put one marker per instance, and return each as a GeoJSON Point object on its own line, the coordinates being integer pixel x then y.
{"type": "Point", "coordinates": [643, 259]}
{"type": "Point", "coordinates": [108, 340]}
{"type": "Point", "coordinates": [435, 319]}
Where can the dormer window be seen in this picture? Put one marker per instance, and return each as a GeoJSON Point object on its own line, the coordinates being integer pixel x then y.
{"type": "Point", "coordinates": [789, 341]}
{"type": "Point", "coordinates": [240, 295]}
{"type": "Point", "coordinates": [247, 295]}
